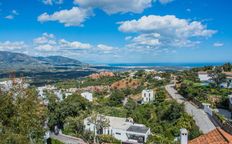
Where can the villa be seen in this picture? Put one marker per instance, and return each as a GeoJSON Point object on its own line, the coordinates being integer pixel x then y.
{"type": "Point", "coordinates": [203, 76]}
{"type": "Point", "coordinates": [88, 96]}
{"type": "Point", "coordinates": [123, 129]}
{"type": "Point", "coordinates": [147, 96]}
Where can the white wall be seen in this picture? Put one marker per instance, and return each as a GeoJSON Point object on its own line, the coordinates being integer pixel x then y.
{"type": "Point", "coordinates": [203, 77]}
{"type": "Point", "coordinates": [147, 95]}
{"type": "Point", "coordinates": [88, 96]}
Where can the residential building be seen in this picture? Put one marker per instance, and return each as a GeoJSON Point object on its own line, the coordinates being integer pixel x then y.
{"type": "Point", "coordinates": [147, 96]}
{"type": "Point", "coordinates": [230, 102]}
{"type": "Point", "coordinates": [203, 76]}
{"type": "Point", "coordinates": [123, 129]}
{"type": "Point", "coordinates": [158, 78]}
{"type": "Point", "coordinates": [88, 96]}
{"type": "Point", "coordinates": [216, 136]}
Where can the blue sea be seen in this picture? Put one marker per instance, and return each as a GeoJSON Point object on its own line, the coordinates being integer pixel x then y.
{"type": "Point", "coordinates": [164, 64]}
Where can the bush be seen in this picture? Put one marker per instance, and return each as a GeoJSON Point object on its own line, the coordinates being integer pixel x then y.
{"type": "Point", "coordinates": [107, 139]}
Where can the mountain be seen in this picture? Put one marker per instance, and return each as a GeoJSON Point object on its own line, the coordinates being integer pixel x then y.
{"type": "Point", "coordinates": [21, 62]}
{"type": "Point", "coordinates": [59, 61]}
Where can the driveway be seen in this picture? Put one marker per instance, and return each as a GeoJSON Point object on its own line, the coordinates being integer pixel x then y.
{"type": "Point", "coordinates": [67, 139]}
{"type": "Point", "coordinates": [201, 118]}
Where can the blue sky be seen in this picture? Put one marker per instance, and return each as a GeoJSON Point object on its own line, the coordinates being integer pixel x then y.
{"type": "Point", "coordinates": [119, 31]}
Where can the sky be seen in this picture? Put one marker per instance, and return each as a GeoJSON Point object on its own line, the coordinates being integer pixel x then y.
{"type": "Point", "coordinates": [119, 31]}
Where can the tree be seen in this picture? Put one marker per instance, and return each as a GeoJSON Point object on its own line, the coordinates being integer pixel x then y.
{"type": "Point", "coordinates": [100, 122]}
{"type": "Point", "coordinates": [227, 67]}
{"type": "Point", "coordinates": [116, 98]}
{"type": "Point", "coordinates": [22, 117]}
{"type": "Point", "coordinates": [217, 77]}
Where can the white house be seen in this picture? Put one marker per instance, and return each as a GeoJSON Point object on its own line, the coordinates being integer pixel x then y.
{"type": "Point", "coordinates": [203, 76]}
{"type": "Point", "coordinates": [147, 96]}
{"type": "Point", "coordinates": [122, 129]}
{"type": "Point", "coordinates": [158, 78]}
{"type": "Point", "coordinates": [88, 96]}
{"type": "Point", "coordinates": [6, 85]}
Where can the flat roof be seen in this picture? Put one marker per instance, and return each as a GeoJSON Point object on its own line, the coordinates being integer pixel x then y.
{"type": "Point", "coordinates": [138, 129]}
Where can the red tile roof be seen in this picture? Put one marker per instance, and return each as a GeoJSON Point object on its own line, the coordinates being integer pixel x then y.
{"type": "Point", "coordinates": [217, 136]}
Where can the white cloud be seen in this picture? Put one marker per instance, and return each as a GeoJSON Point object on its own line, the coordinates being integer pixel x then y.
{"type": "Point", "coordinates": [45, 39]}
{"type": "Point", "coordinates": [74, 44]}
{"type": "Point", "coordinates": [73, 17]}
{"type": "Point", "coordinates": [165, 1]}
{"type": "Point", "coordinates": [51, 2]}
{"type": "Point", "coordinates": [10, 17]}
{"type": "Point", "coordinates": [14, 12]}
{"type": "Point", "coordinates": [147, 39]}
{"type": "Point", "coordinates": [12, 46]}
{"type": "Point", "coordinates": [105, 47]}
{"type": "Point", "coordinates": [168, 25]}
{"type": "Point", "coordinates": [218, 44]}
{"type": "Point", "coordinates": [45, 48]}
{"type": "Point", "coordinates": [165, 31]}
{"type": "Point", "coordinates": [116, 6]}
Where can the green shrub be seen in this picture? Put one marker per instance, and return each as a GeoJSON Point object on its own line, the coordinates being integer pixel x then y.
{"type": "Point", "coordinates": [107, 139]}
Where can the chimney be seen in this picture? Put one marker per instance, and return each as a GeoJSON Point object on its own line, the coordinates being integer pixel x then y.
{"type": "Point", "coordinates": [183, 136]}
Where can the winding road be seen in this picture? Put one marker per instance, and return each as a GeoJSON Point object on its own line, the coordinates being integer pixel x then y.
{"type": "Point", "coordinates": [201, 118]}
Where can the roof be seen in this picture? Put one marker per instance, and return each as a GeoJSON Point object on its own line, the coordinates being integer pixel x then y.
{"type": "Point", "coordinates": [228, 73]}
{"type": "Point", "coordinates": [118, 123]}
{"type": "Point", "coordinates": [138, 129]}
{"type": "Point", "coordinates": [202, 72]}
{"type": "Point", "coordinates": [217, 136]}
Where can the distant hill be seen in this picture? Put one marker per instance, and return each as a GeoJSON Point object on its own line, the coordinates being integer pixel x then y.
{"type": "Point", "coordinates": [20, 62]}
{"type": "Point", "coordinates": [59, 61]}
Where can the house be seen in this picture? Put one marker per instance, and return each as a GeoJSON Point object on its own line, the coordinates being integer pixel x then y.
{"type": "Point", "coordinates": [9, 84]}
{"type": "Point", "coordinates": [123, 129]}
{"type": "Point", "coordinates": [147, 96]}
{"type": "Point", "coordinates": [88, 96]}
{"type": "Point", "coordinates": [6, 85]}
{"type": "Point", "coordinates": [158, 78]}
{"type": "Point", "coordinates": [203, 76]}
{"type": "Point", "coordinates": [216, 136]}
{"type": "Point", "coordinates": [230, 102]}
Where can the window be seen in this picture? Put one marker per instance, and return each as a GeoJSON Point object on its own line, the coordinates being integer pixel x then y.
{"type": "Point", "coordinates": [118, 133]}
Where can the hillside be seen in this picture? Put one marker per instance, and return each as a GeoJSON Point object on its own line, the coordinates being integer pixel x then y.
{"type": "Point", "coordinates": [20, 62]}
{"type": "Point", "coordinates": [59, 61]}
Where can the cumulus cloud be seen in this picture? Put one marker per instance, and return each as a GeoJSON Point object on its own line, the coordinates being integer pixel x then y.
{"type": "Point", "coordinates": [45, 39]}
{"type": "Point", "coordinates": [12, 46]}
{"type": "Point", "coordinates": [165, 31]}
{"type": "Point", "coordinates": [74, 44]}
{"type": "Point", "coordinates": [116, 6]}
{"type": "Point", "coordinates": [73, 17]}
{"type": "Point", "coordinates": [45, 48]}
{"type": "Point", "coordinates": [165, 1]}
{"type": "Point", "coordinates": [169, 25]}
{"type": "Point", "coordinates": [12, 15]}
{"type": "Point", "coordinates": [218, 44]}
{"type": "Point", "coordinates": [51, 2]}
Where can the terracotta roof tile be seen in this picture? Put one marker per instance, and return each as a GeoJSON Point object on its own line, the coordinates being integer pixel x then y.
{"type": "Point", "coordinates": [217, 136]}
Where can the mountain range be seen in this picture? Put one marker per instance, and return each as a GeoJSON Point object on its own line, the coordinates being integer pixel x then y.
{"type": "Point", "coordinates": [21, 62]}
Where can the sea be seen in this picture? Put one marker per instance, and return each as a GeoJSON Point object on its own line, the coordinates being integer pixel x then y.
{"type": "Point", "coordinates": [191, 65]}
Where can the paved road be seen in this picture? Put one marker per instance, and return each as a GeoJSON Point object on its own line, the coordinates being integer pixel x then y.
{"type": "Point", "coordinates": [67, 139]}
{"type": "Point", "coordinates": [201, 118]}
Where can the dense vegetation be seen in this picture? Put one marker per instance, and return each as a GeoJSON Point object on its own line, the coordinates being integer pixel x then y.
{"type": "Point", "coordinates": [22, 117]}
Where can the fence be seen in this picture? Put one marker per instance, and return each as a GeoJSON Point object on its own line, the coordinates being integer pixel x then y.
{"type": "Point", "coordinates": [216, 118]}
{"type": "Point", "coordinates": [224, 124]}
